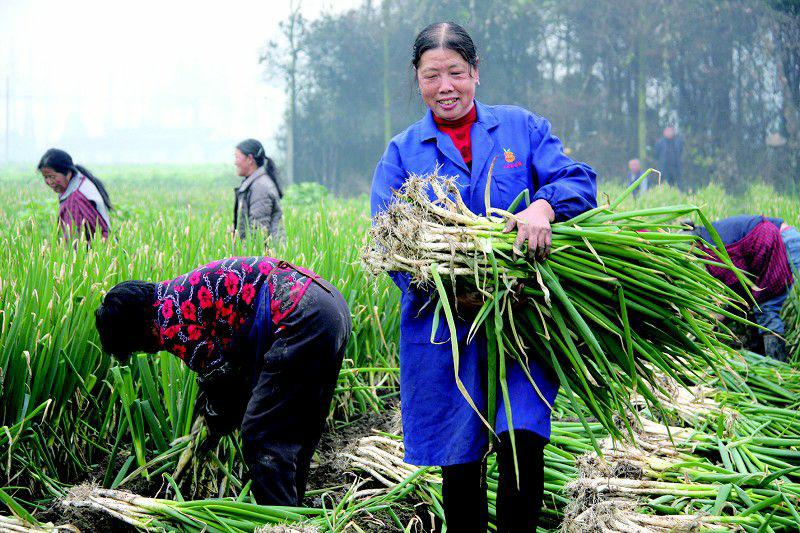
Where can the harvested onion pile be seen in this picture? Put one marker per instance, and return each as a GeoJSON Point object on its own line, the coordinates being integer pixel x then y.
{"type": "Point", "coordinates": [622, 297]}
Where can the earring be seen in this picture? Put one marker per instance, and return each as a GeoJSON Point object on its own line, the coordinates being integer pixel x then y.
{"type": "Point", "coordinates": [478, 82]}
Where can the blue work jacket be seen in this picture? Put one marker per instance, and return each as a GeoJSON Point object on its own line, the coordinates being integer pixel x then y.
{"type": "Point", "coordinates": [439, 426]}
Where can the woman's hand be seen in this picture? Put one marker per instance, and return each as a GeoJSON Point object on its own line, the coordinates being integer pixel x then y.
{"type": "Point", "coordinates": [534, 227]}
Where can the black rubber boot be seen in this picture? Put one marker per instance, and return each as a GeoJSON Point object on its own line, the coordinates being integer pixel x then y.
{"type": "Point", "coordinates": [464, 498]}
{"type": "Point", "coordinates": [520, 505]}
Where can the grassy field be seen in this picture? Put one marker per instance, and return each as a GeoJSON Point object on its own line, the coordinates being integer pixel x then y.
{"type": "Point", "coordinates": [69, 415]}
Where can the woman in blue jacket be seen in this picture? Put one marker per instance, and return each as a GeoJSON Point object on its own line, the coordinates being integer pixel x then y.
{"type": "Point", "coordinates": [462, 137]}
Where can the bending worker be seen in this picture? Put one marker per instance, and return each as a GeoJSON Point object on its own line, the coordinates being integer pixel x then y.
{"type": "Point", "coordinates": [267, 341]}
{"type": "Point", "coordinates": [464, 137]}
{"type": "Point", "coordinates": [769, 250]}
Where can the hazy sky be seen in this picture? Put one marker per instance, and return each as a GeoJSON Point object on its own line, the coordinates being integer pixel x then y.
{"type": "Point", "coordinates": [148, 81]}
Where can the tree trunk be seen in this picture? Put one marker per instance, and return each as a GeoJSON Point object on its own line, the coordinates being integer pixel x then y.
{"type": "Point", "coordinates": [789, 111]}
{"type": "Point", "coordinates": [641, 93]}
{"type": "Point", "coordinates": [387, 110]}
{"type": "Point", "coordinates": [292, 78]}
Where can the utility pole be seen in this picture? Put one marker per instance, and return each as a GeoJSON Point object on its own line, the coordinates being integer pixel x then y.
{"type": "Point", "coordinates": [8, 119]}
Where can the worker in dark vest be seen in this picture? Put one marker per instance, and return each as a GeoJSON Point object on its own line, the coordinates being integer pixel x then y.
{"type": "Point", "coordinates": [267, 341]}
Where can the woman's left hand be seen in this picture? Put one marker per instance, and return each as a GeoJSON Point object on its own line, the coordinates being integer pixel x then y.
{"type": "Point", "coordinates": [533, 227]}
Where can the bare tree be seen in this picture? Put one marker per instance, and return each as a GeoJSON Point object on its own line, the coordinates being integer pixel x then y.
{"type": "Point", "coordinates": [281, 59]}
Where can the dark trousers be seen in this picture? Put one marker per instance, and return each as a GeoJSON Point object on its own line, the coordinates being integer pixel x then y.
{"type": "Point", "coordinates": [464, 489]}
{"type": "Point", "coordinates": [291, 395]}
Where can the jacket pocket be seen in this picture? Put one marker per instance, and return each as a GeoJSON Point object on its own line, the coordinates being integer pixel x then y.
{"type": "Point", "coordinates": [506, 186]}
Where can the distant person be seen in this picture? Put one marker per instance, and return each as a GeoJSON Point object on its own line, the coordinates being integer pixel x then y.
{"type": "Point", "coordinates": [266, 339]}
{"type": "Point", "coordinates": [83, 200]}
{"type": "Point", "coordinates": [258, 196]}
{"type": "Point", "coordinates": [668, 153]}
{"type": "Point", "coordinates": [767, 249]}
{"type": "Point", "coordinates": [634, 173]}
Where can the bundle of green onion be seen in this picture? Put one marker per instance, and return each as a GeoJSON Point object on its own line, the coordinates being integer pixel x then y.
{"type": "Point", "coordinates": [623, 295]}
{"type": "Point", "coordinates": [228, 515]}
{"type": "Point", "coordinates": [732, 462]}
{"type": "Point", "coordinates": [151, 514]}
{"type": "Point", "coordinates": [380, 456]}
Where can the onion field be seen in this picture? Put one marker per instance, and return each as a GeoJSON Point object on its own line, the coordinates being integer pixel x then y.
{"type": "Point", "coordinates": [91, 445]}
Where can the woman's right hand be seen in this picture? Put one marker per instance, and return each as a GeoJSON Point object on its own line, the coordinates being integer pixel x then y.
{"type": "Point", "coordinates": [533, 227]}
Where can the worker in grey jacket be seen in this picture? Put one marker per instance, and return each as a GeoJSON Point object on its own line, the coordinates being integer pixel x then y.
{"type": "Point", "coordinates": [258, 196]}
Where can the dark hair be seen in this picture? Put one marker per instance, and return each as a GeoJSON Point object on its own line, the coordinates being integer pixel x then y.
{"type": "Point", "coordinates": [125, 319]}
{"type": "Point", "coordinates": [256, 149]}
{"type": "Point", "coordinates": [447, 35]}
{"type": "Point", "coordinates": [61, 162]}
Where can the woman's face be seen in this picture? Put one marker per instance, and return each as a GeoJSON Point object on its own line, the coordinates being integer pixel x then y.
{"type": "Point", "coordinates": [245, 164]}
{"type": "Point", "coordinates": [55, 180]}
{"type": "Point", "coordinates": [447, 83]}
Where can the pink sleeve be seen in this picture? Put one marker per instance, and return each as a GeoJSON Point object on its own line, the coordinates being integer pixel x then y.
{"type": "Point", "coordinates": [78, 212]}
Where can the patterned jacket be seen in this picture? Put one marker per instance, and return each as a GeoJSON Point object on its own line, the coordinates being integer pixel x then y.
{"type": "Point", "coordinates": [205, 316]}
{"type": "Point", "coordinates": [258, 205]}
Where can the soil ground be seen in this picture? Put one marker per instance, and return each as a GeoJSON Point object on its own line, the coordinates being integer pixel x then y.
{"type": "Point", "coordinates": [330, 473]}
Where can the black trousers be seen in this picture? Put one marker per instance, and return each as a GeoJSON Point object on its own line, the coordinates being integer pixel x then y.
{"type": "Point", "coordinates": [464, 489]}
{"type": "Point", "coordinates": [291, 395]}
